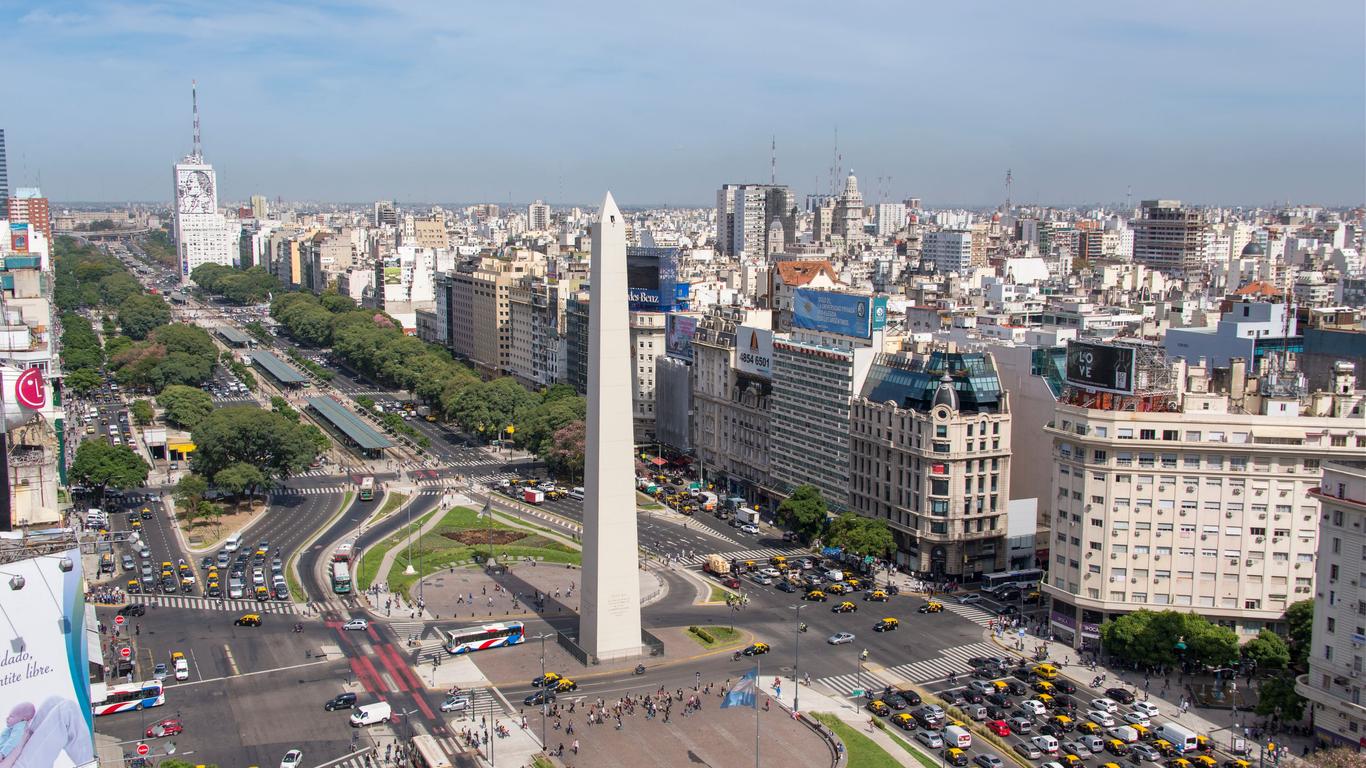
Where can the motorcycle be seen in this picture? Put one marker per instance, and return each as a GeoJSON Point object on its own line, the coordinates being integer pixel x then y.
{"type": "Point", "coordinates": [298, 628]}
{"type": "Point", "coordinates": [801, 627]}
{"type": "Point", "coordinates": [736, 656]}
{"type": "Point", "coordinates": [640, 669]}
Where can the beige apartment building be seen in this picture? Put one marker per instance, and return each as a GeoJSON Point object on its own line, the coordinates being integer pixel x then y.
{"type": "Point", "coordinates": [480, 312]}
{"type": "Point", "coordinates": [1202, 503]}
{"type": "Point", "coordinates": [1334, 682]}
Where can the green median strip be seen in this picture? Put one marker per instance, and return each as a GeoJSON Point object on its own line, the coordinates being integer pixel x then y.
{"type": "Point", "coordinates": [863, 752]}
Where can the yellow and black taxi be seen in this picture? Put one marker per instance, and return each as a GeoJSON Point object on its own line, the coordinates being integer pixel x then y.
{"type": "Point", "coordinates": [1116, 747]}
{"type": "Point", "coordinates": [879, 707]}
{"type": "Point", "coordinates": [1046, 700]}
{"type": "Point", "coordinates": [213, 590]}
{"type": "Point", "coordinates": [955, 756]}
{"type": "Point", "coordinates": [931, 607]}
{"type": "Point", "coordinates": [1110, 764]}
{"type": "Point", "coordinates": [777, 561]}
{"type": "Point", "coordinates": [1164, 747]}
{"type": "Point", "coordinates": [564, 684]}
{"type": "Point", "coordinates": [853, 583]}
{"type": "Point", "coordinates": [837, 588]}
{"type": "Point", "coordinates": [1063, 723]}
{"type": "Point", "coordinates": [816, 595]}
{"type": "Point", "coordinates": [904, 720]}
{"type": "Point", "coordinates": [1237, 764]}
{"type": "Point", "coordinates": [549, 678]}
{"type": "Point", "coordinates": [877, 595]}
{"type": "Point", "coordinates": [248, 620]}
{"type": "Point", "coordinates": [1204, 743]}
{"type": "Point", "coordinates": [1143, 732]}
{"type": "Point", "coordinates": [1204, 761]}
{"type": "Point", "coordinates": [757, 649]}
{"type": "Point", "coordinates": [1179, 762]}
{"type": "Point", "coordinates": [844, 607]}
{"type": "Point", "coordinates": [887, 625]}
{"type": "Point", "coordinates": [1070, 761]}
{"type": "Point", "coordinates": [1043, 686]}
{"type": "Point", "coordinates": [262, 594]}
{"type": "Point", "coordinates": [134, 587]}
{"type": "Point", "coordinates": [1088, 727]}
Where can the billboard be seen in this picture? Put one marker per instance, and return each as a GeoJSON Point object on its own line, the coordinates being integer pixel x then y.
{"type": "Point", "coordinates": [1100, 367]}
{"type": "Point", "coordinates": [393, 275]}
{"type": "Point", "coordinates": [652, 278]}
{"type": "Point", "coordinates": [678, 333]}
{"type": "Point", "coordinates": [754, 351]}
{"type": "Point", "coordinates": [848, 314]}
{"type": "Point", "coordinates": [18, 237]}
{"type": "Point", "coordinates": [45, 667]}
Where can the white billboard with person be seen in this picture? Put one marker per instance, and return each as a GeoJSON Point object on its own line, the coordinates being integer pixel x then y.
{"type": "Point", "coordinates": [44, 667]}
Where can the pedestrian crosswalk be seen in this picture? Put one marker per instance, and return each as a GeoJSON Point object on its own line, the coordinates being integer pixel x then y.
{"type": "Point", "coordinates": [748, 554]}
{"type": "Point", "coordinates": [190, 602]}
{"type": "Point", "coordinates": [358, 759]}
{"type": "Point", "coordinates": [845, 685]}
{"type": "Point", "coordinates": [972, 613]}
{"type": "Point", "coordinates": [949, 661]}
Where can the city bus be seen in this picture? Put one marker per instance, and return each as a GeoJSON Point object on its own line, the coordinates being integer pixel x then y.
{"type": "Point", "coordinates": [367, 489]}
{"type": "Point", "coordinates": [126, 697]}
{"type": "Point", "coordinates": [341, 577]}
{"type": "Point", "coordinates": [1027, 579]}
{"type": "Point", "coordinates": [427, 754]}
{"type": "Point", "coordinates": [487, 636]}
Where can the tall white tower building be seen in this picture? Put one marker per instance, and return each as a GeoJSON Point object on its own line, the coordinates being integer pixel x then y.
{"type": "Point", "coordinates": [202, 234]}
{"type": "Point", "coordinates": [538, 217]}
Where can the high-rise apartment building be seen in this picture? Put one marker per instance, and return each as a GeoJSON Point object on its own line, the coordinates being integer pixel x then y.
{"type": "Point", "coordinates": [929, 453]}
{"type": "Point", "coordinates": [647, 342]}
{"type": "Point", "coordinates": [949, 250]}
{"type": "Point", "coordinates": [203, 235]}
{"type": "Point", "coordinates": [260, 209]}
{"type": "Point", "coordinates": [732, 392]}
{"type": "Point", "coordinates": [385, 213]}
{"type": "Point", "coordinates": [848, 221]}
{"type": "Point", "coordinates": [1170, 238]}
{"type": "Point", "coordinates": [4, 174]}
{"type": "Point", "coordinates": [1337, 655]}
{"type": "Point", "coordinates": [1188, 490]}
{"type": "Point", "coordinates": [478, 302]}
{"type": "Point", "coordinates": [747, 215]}
{"type": "Point", "coordinates": [891, 217]}
{"type": "Point", "coordinates": [538, 217]}
{"type": "Point", "coordinates": [27, 204]}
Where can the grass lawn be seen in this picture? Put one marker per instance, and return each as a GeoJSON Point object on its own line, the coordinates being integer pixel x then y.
{"type": "Point", "coordinates": [919, 756]}
{"type": "Point", "coordinates": [368, 572]}
{"type": "Point", "coordinates": [863, 751]}
{"type": "Point", "coordinates": [720, 636]}
{"type": "Point", "coordinates": [462, 533]}
{"type": "Point", "coordinates": [391, 503]}
{"type": "Point", "coordinates": [718, 594]}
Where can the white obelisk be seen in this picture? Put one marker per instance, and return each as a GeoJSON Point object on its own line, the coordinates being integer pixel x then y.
{"type": "Point", "coordinates": [609, 617]}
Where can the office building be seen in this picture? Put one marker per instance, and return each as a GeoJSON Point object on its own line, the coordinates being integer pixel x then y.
{"type": "Point", "coordinates": [749, 215]}
{"type": "Point", "coordinates": [929, 453]}
{"type": "Point", "coordinates": [732, 395]}
{"type": "Point", "coordinates": [4, 174]}
{"type": "Point", "coordinates": [203, 235]}
{"type": "Point", "coordinates": [948, 250]}
{"type": "Point", "coordinates": [478, 302]}
{"type": "Point", "coordinates": [27, 205]}
{"type": "Point", "coordinates": [891, 217]}
{"type": "Point", "coordinates": [1186, 488]}
{"type": "Point", "coordinates": [1170, 238]}
{"type": "Point", "coordinates": [1333, 685]}
{"type": "Point", "coordinates": [260, 209]}
{"type": "Point", "coordinates": [538, 217]}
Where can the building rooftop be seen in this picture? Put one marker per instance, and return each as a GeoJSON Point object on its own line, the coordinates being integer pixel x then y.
{"type": "Point", "coordinates": [349, 424]}
{"type": "Point", "coordinates": [803, 272]}
{"type": "Point", "coordinates": [914, 382]}
{"type": "Point", "coordinates": [233, 336]}
{"type": "Point", "coordinates": [282, 371]}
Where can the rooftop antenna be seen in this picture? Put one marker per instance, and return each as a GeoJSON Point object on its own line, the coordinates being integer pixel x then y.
{"type": "Point", "coordinates": [1010, 180]}
{"type": "Point", "coordinates": [773, 160]}
{"type": "Point", "coordinates": [1129, 200]}
{"type": "Point", "coordinates": [197, 152]}
{"type": "Point", "coordinates": [834, 165]}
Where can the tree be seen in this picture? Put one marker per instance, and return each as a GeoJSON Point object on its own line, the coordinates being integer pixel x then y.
{"type": "Point", "coordinates": [1268, 650]}
{"type": "Point", "coordinates": [282, 407]}
{"type": "Point", "coordinates": [239, 478]}
{"type": "Point", "coordinates": [190, 490]}
{"type": "Point", "coordinates": [862, 535]}
{"type": "Point", "coordinates": [1209, 643]}
{"type": "Point", "coordinates": [82, 380]}
{"type": "Point", "coordinates": [1299, 618]}
{"type": "Point", "coordinates": [140, 314]}
{"type": "Point", "coordinates": [804, 512]}
{"type": "Point", "coordinates": [185, 406]}
{"type": "Point", "coordinates": [263, 439]}
{"type": "Point", "coordinates": [565, 456]}
{"type": "Point", "coordinates": [1279, 699]}
{"type": "Point", "coordinates": [492, 406]}
{"type": "Point", "coordinates": [336, 303]}
{"type": "Point", "coordinates": [1150, 638]}
{"type": "Point", "coordinates": [100, 465]}
{"type": "Point", "coordinates": [142, 412]}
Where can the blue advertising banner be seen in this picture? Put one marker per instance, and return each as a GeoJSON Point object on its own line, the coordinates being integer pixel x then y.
{"type": "Point", "coordinates": [848, 314]}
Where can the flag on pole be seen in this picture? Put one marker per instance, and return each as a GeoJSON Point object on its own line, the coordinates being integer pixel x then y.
{"type": "Point", "coordinates": [742, 694]}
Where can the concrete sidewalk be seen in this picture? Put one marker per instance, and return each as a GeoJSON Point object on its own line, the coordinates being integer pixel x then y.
{"type": "Point", "coordinates": [847, 710]}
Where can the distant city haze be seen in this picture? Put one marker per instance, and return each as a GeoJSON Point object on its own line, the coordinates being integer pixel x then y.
{"type": "Point", "coordinates": [1210, 102]}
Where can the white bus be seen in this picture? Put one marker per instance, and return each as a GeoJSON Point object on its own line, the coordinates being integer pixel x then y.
{"type": "Point", "coordinates": [488, 636]}
{"type": "Point", "coordinates": [427, 753]}
{"type": "Point", "coordinates": [126, 697]}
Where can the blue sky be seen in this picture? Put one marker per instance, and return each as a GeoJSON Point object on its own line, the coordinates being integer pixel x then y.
{"type": "Point", "coordinates": [1248, 102]}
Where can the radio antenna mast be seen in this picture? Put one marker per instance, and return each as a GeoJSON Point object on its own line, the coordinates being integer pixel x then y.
{"type": "Point", "coordinates": [197, 152]}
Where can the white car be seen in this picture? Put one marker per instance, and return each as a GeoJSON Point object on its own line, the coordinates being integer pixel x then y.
{"type": "Point", "coordinates": [770, 572]}
{"type": "Point", "coordinates": [357, 624]}
{"type": "Point", "coordinates": [455, 704]}
{"type": "Point", "coordinates": [929, 738]}
{"type": "Point", "coordinates": [292, 759]}
{"type": "Point", "coordinates": [1147, 708]}
{"type": "Point", "coordinates": [971, 597]}
{"type": "Point", "coordinates": [1103, 719]}
{"type": "Point", "coordinates": [1137, 718]}
{"type": "Point", "coordinates": [1105, 705]}
{"type": "Point", "coordinates": [1034, 707]}
{"type": "Point", "coordinates": [750, 528]}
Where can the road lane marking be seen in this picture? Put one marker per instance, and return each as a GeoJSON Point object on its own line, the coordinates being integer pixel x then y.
{"type": "Point", "coordinates": [250, 674]}
{"type": "Point", "coordinates": [232, 663]}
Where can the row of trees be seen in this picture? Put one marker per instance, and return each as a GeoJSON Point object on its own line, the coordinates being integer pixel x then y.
{"type": "Point", "coordinates": [86, 277]}
{"type": "Point", "coordinates": [82, 355]}
{"type": "Point", "coordinates": [239, 286]}
{"type": "Point", "coordinates": [158, 246]}
{"type": "Point", "coordinates": [171, 354]}
{"type": "Point", "coordinates": [805, 513]}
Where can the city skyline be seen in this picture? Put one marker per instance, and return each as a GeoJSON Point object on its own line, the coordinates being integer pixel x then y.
{"type": "Point", "coordinates": [417, 103]}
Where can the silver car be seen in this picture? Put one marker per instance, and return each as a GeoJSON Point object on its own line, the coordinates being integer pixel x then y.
{"type": "Point", "coordinates": [840, 638]}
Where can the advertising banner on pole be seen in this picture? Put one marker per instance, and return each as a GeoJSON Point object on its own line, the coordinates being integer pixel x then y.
{"type": "Point", "coordinates": [44, 664]}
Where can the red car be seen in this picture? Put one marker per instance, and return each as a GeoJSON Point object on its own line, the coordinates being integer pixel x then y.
{"type": "Point", "coordinates": [168, 727]}
{"type": "Point", "coordinates": [999, 727]}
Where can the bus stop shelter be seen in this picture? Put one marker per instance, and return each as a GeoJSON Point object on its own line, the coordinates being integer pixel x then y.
{"type": "Point", "coordinates": [349, 427]}
{"type": "Point", "coordinates": [284, 373]}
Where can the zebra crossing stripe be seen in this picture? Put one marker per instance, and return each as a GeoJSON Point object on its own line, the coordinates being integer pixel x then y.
{"type": "Point", "coordinates": [230, 606]}
{"type": "Point", "coordinates": [950, 660]}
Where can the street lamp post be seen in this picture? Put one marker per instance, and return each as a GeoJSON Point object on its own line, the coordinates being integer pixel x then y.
{"type": "Point", "coordinates": [545, 696]}
{"type": "Point", "coordinates": [797, 658]}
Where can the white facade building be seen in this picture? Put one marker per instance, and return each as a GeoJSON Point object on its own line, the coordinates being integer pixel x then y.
{"type": "Point", "coordinates": [949, 250]}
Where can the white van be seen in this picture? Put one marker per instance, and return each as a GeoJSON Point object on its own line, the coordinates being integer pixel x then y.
{"type": "Point", "coordinates": [834, 574]}
{"type": "Point", "coordinates": [233, 543]}
{"type": "Point", "coordinates": [957, 737]}
{"type": "Point", "coordinates": [1181, 738]}
{"type": "Point", "coordinates": [379, 712]}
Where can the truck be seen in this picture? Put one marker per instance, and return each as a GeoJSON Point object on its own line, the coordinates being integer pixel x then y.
{"type": "Point", "coordinates": [533, 495]}
{"type": "Point", "coordinates": [716, 565]}
{"type": "Point", "coordinates": [709, 501]}
{"type": "Point", "coordinates": [425, 411]}
{"type": "Point", "coordinates": [747, 515]}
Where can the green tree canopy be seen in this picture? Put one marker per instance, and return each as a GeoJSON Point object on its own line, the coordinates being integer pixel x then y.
{"type": "Point", "coordinates": [1279, 699]}
{"type": "Point", "coordinates": [116, 288]}
{"type": "Point", "coordinates": [141, 314]}
{"type": "Point", "coordinates": [82, 380]}
{"type": "Point", "coordinates": [1151, 637]}
{"type": "Point", "coordinates": [1268, 650]}
{"type": "Point", "coordinates": [185, 406]}
{"type": "Point", "coordinates": [142, 412]}
{"type": "Point", "coordinates": [1299, 618]}
{"type": "Point", "coordinates": [862, 535]}
{"type": "Point", "coordinates": [804, 512]}
{"type": "Point", "coordinates": [263, 439]}
{"type": "Point", "coordinates": [239, 478]}
{"type": "Point", "coordinates": [100, 465]}
{"type": "Point", "coordinates": [190, 490]}
{"type": "Point", "coordinates": [336, 303]}
{"type": "Point", "coordinates": [239, 286]}
{"type": "Point", "coordinates": [282, 407]}
{"type": "Point", "coordinates": [492, 406]}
